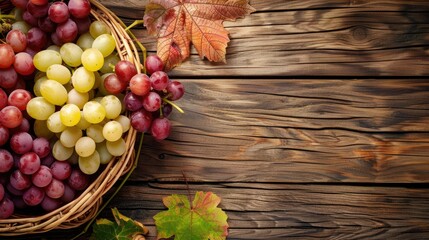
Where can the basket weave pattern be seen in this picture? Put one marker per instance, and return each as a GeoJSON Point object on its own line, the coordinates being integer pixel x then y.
{"type": "Point", "coordinates": [86, 206]}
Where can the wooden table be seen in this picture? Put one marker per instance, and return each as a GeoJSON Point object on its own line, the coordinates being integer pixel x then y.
{"type": "Point", "coordinates": [316, 128]}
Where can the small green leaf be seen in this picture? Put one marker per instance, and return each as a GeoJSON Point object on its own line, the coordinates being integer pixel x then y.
{"type": "Point", "coordinates": [203, 220]}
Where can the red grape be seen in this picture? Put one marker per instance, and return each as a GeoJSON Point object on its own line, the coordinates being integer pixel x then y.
{"type": "Point", "coordinates": [37, 11]}
{"type": "Point", "coordinates": [141, 120]}
{"type": "Point", "coordinates": [82, 24]}
{"type": "Point", "coordinates": [4, 135]}
{"type": "Point", "coordinates": [113, 85]}
{"type": "Point", "coordinates": [79, 8]}
{"type": "Point", "coordinates": [8, 77]}
{"type": "Point", "coordinates": [41, 147]}
{"type": "Point", "coordinates": [10, 117]}
{"type": "Point", "coordinates": [19, 181]}
{"type": "Point", "coordinates": [3, 99]}
{"type": "Point", "coordinates": [67, 31]}
{"type": "Point", "coordinates": [160, 128]}
{"type": "Point", "coordinates": [23, 127]}
{"type": "Point", "coordinates": [48, 160]}
{"type": "Point", "coordinates": [153, 63]}
{"type": "Point", "coordinates": [21, 142]}
{"type": "Point", "coordinates": [22, 4]}
{"type": "Point", "coordinates": [61, 170]}
{"type": "Point", "coordinates": [39, 2]}
{"type": "Point", "coordinates": [125, 70]}
{"type": "Point", "coordinates": [46, 24]}
{"type": "Point", "coordinates": [152, 102]}
{"type": "Point", "coordinates": [49, 204]}
{"type": "Point", "coordinates": [17, 40]}
{"type": "Point", "coordinates": [14, 191]}
{"type": "Point", "coordinates": [69, 194]}
{"type": "Point", "coordinates": [132, 102]}
{"type": "Point", "coordinates": [175, 90]}
{"type": "Point", "coordinates": [140, 84]}
{"type": "Point", "coordinates": [6, 208]}
{"type": "Point", "coordinates": [159, 80]}
{"type": "Point", "coordinates": [58, 12]}
{"type": "Point", "coordinates": [1, 191]}
{"type": "Point", "coordinates": [33, 196]}
{"type": "Point", "coordinates": [24, 64]}
{"type": "Point", "coordinates": [42, 177]}
{"type": "Point", "coordinates": [29, 163]}
{"type": "Point", "coordinates": [19, 98]}
{"type": "Point", "coordinates": [30, 19]}
{"type": "Point", "coordinates": [78, 180]}
{"type": "Point", "coordinates": [55, 189]}
{"type": "Point", "coordinates": [6, 161]}
{"type": "Point", "coordinates": [36, 39]}
{"type": "Point", "coordinates": [7, 55]}
{"type": "Point", "coordinates": [55, 40]}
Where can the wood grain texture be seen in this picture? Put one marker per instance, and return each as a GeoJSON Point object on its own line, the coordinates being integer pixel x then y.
{"type": "Point", "coordinates": [307, 38]}
{"type": "Point", "coordinates": [296, 131]}
{"type": "Point", "coordinates": [281, 211]}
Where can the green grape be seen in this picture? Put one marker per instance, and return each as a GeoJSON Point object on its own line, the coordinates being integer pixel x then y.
{"type": "Point", "coordinates": [94, 112]}
{"type": "Point", "coordinates": [112, 131]}
{"type": "Point", "coordinates": [92, 59]}
{"type": "Point", "coordinates": [97, 28]}
{"type": "Point", "coordinates": [70, 136]}
{"type": "Point", "coordinates": [83, 124]}
{"type": "Point", "coordinates": [105, 156]}
{"type": "Point", "coordinates": [41, 129]}
{"type": "Point", "coordinates": [45, 58]}
{"type": "Point", "coordinates": [70, 115]}
{"type": "Point", "coordinates": [71, 54]}
{"type": "Point", "coordinates": [90, 164]}
{"type": "Point", "coordinates": [54, 47]}
{"type": "Point", "coordinates": [97, 81]}
{"type": "Point", "coordinates": [105, 43]}
{"type": "Point", "coordinates": [39, 108]}
{"type": "Point", "coordinates": [83, 80]}
{"type": "Point", "coordinates": [124, 121]}
{"type": "Point", "coordinates": [109, 63]}
{"type": "Point", "coordinates": [77, 98]}
{"type": "Point", "coordinates": [101, 89]}
{"type": "Point", "coordinates": [36, 87]}
{"type": "Point", "coordinates": [113, 106]}
{"type": "Point", "coordinates": [85, 41]}
{"type": "Point", "coordinates": [21, 25]}
{"type": "Point", "coordinates": [85, 146]}
{"type": "Point", "coordinates": [59, 73]}
{"type": "Point", "coordinates": [95, 132]}
{"type": "Point", "coordinates": [116, 148]}
{"type": "Point", "coordinates": [53, 92]}
{"type": "Point", "coordinates": [60, 152]}
{"type": "Point", "coordinates": [54, 123]}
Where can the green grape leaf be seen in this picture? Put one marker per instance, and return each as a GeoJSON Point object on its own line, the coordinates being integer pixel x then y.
{"type": "Point", "coordinates": [200, 221]}
{"type": "Point", "coordinates": [123, 228]}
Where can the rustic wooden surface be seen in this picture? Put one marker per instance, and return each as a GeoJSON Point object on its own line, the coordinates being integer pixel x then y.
{"type": "Point", "coordinates": [317, 128]}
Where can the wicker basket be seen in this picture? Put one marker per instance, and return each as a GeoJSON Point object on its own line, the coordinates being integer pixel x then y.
{"type": "Point", "coordinates": [85, 207]}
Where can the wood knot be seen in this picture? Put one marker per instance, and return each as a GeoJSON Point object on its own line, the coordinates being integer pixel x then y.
{"type": "Point", "coordinates": [359, 33]}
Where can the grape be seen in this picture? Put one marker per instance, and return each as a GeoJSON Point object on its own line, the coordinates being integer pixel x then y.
{"type": "Point", "coordinates": [70, 115]}
{"type": "Point", "coordinates": [21, 26]}
{"type": "Point", "coordinates": [113, 85]}
{"type": "Point", "coordinates": [1, 191]}
{"type": "Point", "coordinates": [141, 120]}
{"type": "Point", "coordinates": [6, 161]}
{"type": "Point", "coordinates": [77, 98]}
{"type": "Point", "coordinates": [41, 147]}
{"type": "Point", "coordinates": [97, 28]}
{"type": "Point", "coordinates": [49, 204]}
{"type": "Point", "coordinates": [48, 160]}
{"type": "Point", "coordinates": [152, 102]}
{"type": "Point", "coordinates": [153, 63]}
{"type": "Point", "coordinates": [90, 164]}
{"type": "Point", "coordinates": [40, 109]}
{"type": "Point", "coordinates": [8, 77]}
{"type": "Point", "coordinates": [105, 43]}
{"type": "Point", "coordinates": [73, 159]}
{"type": "Point", "coordinates": [29, 163]}
{"type": "Point", "coordinates": [58, 12]}
{"type": "Point", "coordinates": [112, 131]}
{"type": "Point", "coordinates": [39, 2]}
{"type": "Point", "coordinates": [85, 146]}
{"type": "Point", "coordinates": [4, 135]}
{"type": "Point", "coordinates": [78, 180]}
{"type": "Point", "coordinates": [83, 123]}
{"type": "Point", "coordinates": [166, 110]}
{"type": "Point", "coordinates": [85, 41]}
{"type": "Point", "coordinates": [55, 189]}
{"type": "Point", "coordinates": [92, 59]}
{"type": "Point", "coordinates": [19, 181]}
{"type": "Point", "coordinates": [159, 80]}
{"type": "Point", "coordinates": [116, 148]}
{"type": "Point", "coordinates": [10, 117]}
{"type": "Point", "coordinates": [69, 194]}
{"type": "Point", "coordinates": [37, 11]}
{"type": "Point", "coordinates": [60, 152]}
{"type": "Point", "coordinates": [24, 64]}
{"type": "Point", "coordinates": [21, 4]}
{"type": "Point", "coordinates": [94, 112]}
{"type": "Point", "coordinates": [112, 105]}
{"type": "Point", "coordinates": [7, 55]}
{"type": "Point", "coordinates": [46, 24]}
{"type": "Point", "coordinates": [14, 191]}
{"type": "Point", "coordinates": [140, 84]}
{"type": "Point", "coordinates": [79, 8]}
{"type": "Point", "coordinates": [33, 196]}
{"type": "Point", "coordinates": [59, 73]}
{"type": "Point", "coordinates": [160, 128]}
{"type": "Point", "coordinates": [55, 124]}
{"type": "Point", "coordinates": [36, 87]}
{"type": "Point", "coordinates": [67, 31]}
{"type": "Point", "coordinates": [97, 83]}
{"type": "Point", "coordinates": [17, 40]}
{"type": "Point", "coordinates": [83, 80]}
{"type": "Point", "coordinates": [43, 177]}
{"type": "Point", "coordinates": [54, 92]}
{"type": "Point", "coordinates": [105, 156]}
{"type": "Point", "coordinates": [82, 24]}
{"type": "Point", "coordinates": [30, 19]}
{"type": "Point", "coordinates": [70, 136]}
{"type": "Point", "coordinates": [61, 170]}
{"type": "Point", "coordinates": [109, 61]}
{"type": "Point", "coordinates": [124, 121]}
{"type": "Point", "coordinates": [71, 54]}
{"type": "Point", "coordinates": [125, 70]}
{"type": "Point", "coordinates": [175, 90]}
{"type": "Point", "coordinates": [45, 58]}
{"type": "Point", "coordinates": [23, 127]}
{"type": "Point", "coordinates": [41, 129]}
{"type": "Point", "coordinates": [133, 102]}
{"type": "Point", "coordinates": [36, 39]}
{"type": "Point", "coordinates": [19, 98]}
{"type": "Point", "coordinates": [95, 131]}
{"type": "Point", "coordinates": [6, 208]}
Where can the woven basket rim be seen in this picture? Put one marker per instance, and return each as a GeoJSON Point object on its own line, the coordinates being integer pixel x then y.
{"type": "Point", "coordinates": [86, 206]}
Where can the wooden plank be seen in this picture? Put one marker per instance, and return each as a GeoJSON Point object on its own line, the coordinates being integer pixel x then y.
{"type": "Point", "coordinates": [307, 38]}
{"type": "Point", "coordinates": [295, 131]}
{"type": "Point", "coordinates": [281, 211]}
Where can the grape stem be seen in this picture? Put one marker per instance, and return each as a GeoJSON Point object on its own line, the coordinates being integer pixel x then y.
{"type": "Point", "coordinates": [6, 16]}
{"type": "Point", "coordinates": [116, 190]}
{"type": "Point", "coordinates": [174, 105]}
